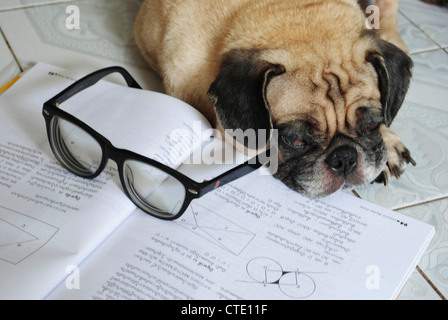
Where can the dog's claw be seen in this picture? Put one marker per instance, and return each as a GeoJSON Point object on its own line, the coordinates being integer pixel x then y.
{"type": "Point", "coordinates": [382, 178]}
{"type": "Point", "coordinates": [396, 164]}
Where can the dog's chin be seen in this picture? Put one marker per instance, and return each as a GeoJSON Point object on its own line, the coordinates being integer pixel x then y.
{"type": "Point", "coordinates": [324, 181]}
{"type": "Point", "coordinates": [324, 187]}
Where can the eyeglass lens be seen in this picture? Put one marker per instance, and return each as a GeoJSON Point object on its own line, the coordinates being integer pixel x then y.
{"type": "Point", "coordinates": [155, 191]}
{"type": "Point", "coordinates": [158, 192]}
{"type": "Point", "coordinates": [75, 148]}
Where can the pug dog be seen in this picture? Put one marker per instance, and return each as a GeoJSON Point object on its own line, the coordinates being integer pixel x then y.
{"type": "Point", "coordinates": [311, 69]}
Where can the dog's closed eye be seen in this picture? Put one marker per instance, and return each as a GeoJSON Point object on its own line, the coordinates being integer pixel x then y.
{"type": "Point", "coordinates": [369, 120]}
{"type": "Point", "coordinates": [369, 126]}
{"type": "Point", "coordinates": [294, 141]}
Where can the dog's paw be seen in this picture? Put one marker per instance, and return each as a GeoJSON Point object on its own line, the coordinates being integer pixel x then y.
{"type": "Point", "coordinates": [398, 157]}
{"type": "Point", "coordinates": [396, 164]}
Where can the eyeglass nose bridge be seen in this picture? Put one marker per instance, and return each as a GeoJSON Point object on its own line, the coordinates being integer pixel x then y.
{"type": "Point", "coordinates": [110, 152]}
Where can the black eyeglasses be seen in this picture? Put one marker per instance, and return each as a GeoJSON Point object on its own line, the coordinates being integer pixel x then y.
{"type": "Point", "coordinates": [155, 188]}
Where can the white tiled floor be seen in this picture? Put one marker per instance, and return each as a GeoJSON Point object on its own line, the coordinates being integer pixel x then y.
{"type": "Point", "coordinates": [34, 30]}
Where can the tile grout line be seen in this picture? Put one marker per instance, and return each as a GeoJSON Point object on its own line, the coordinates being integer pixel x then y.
{"type": "Point", "coordinates": [420, 29]}
{"type": "Point", "coordinates": [356, 193]}
{"type": "Point", "coordinates": [10, 50]}
{"type": "Point", "coordinates": [426, 51]}
{"type": "Point", "coordinates": [421, 203]}
{"type": "Point", "coordinates": [440, 294]}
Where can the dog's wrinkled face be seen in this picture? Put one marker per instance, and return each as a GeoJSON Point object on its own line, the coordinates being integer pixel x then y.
{"type": "Point", "coordinates": [317, 162]}
{"type": "Point", "coordinates": [329, 125]}
{"type": "Point", "coordinates": [329, 111]}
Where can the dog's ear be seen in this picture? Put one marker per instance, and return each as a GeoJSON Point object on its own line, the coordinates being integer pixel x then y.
{"type": "Point", "coordinates": [239, 92]}
{"type": "Point", "coordinates": [394, 69]}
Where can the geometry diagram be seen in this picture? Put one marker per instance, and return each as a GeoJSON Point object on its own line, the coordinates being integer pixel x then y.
{"type": "Point", "coordinates": [294, 284]}
{"type": "Point", "coordinates": [21, 235]}
{"type": "Point", "coordinates": [214, 228]}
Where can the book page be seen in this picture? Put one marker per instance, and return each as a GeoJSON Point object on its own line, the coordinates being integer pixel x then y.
{"type": "Point", "coordinates": [51, 219]}
{"type": "Point", "coordinates": [255, 239]}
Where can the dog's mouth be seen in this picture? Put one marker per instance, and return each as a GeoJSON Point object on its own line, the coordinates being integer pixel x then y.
{"type": "Point", "coordinates": [343, 169]}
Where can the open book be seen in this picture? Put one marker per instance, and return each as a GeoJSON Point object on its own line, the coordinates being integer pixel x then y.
{"type": "Point", "coordinates": [64, 237]}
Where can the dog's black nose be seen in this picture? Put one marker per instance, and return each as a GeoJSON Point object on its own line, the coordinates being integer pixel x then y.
{"type": "Point", "coordinates": [343, 160]}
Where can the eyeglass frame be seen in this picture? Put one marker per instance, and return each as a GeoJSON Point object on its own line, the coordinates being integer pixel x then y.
{"type": "Point", "coordinates": [193, 189]}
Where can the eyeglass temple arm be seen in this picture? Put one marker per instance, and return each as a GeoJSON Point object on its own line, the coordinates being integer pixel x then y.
{"type": "Point", "coordinates": [90, 80]}
{"type": "Point", "coordinates": [233, 174]}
